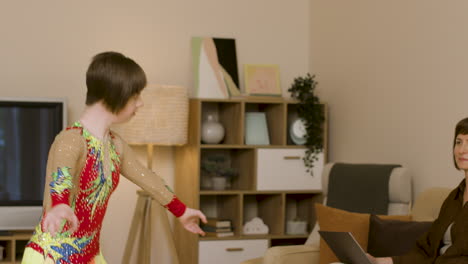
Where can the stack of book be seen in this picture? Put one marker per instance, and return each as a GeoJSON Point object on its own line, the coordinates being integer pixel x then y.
{"type": "Point", "coordinates": [218, 227]}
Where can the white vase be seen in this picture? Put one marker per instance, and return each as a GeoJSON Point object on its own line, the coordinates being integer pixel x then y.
{"type": "Point", "coordinates": [212, 130]}
{"type": "Point", "coordinates": [296, 227]}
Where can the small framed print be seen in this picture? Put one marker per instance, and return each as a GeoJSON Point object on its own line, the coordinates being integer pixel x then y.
{"type": "Point", "coordinates": [262, 80]}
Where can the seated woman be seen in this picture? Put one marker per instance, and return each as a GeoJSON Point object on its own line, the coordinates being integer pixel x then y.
{"type": "Point", "coordinates": [447, 239]}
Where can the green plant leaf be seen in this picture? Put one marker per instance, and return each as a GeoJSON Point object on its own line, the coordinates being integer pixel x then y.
{"type": "Point", "coordinates": [313, 113]}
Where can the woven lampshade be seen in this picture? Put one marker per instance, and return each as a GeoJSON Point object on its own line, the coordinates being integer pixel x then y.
{"type": "Point", "coordinates": [163, 120]}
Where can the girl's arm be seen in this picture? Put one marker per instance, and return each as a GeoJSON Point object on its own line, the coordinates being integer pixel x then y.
{"type": "Point", "coordinates": [157, 188]}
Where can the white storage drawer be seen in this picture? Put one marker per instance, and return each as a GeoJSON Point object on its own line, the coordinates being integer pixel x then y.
{"type": "Point", "coordinates": [230, 251]}
{"type": "Point", "coordinates": [283, 169]}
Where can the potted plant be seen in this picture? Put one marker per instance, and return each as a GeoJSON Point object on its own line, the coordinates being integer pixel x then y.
{"type": "Point", "coordinates": [312, 113]}
{"type": "Point", "coordinates": [218, 172]}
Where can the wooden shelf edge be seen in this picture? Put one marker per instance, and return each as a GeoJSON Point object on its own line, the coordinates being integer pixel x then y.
{"type": "Point", "coordinates": [248, 192]}
{"type": "Point", "coordinates": [17, 235]}
{"type": "Point", "coordinates": [244, 146]}
{"type": "Point", "coordinates": [248, 99]}
{"type": "Point", "coordinates": [242, 237]}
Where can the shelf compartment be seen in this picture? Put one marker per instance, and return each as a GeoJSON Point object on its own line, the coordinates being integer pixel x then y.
{"type": "Point", "coordinates": [268, 207]}
{"type": "Point", "coordinates": [227, 113]}
{"type": "Point", "coordinates": [222, 207]}
{"type": "Point", "coordinates": [20, 245]}
{"type": "Point", "coordinates": [239, 159]}
{"type": "Point", "coordinates": [7, 256]}
{"type": "Point", "coordinates": [275, 117]}
{"type": "Point", "coordinates": [301, 206]}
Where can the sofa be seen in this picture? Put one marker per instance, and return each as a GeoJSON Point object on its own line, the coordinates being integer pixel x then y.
{"type": "Point", "coordinates": [425, 208]}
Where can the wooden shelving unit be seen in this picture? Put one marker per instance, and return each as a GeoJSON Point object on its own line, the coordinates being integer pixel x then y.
{"type": "Point", "coordinates": [246, 198]}
{"type": "Point", "coordinates": [14, 244]}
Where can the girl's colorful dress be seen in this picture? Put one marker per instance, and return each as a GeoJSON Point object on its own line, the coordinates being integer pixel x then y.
{"type": "Point", "coordinates": [83, 172]}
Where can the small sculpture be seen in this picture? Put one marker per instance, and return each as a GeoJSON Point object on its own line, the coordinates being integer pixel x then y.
{"type": "Point", "coordinates": [255, 227]}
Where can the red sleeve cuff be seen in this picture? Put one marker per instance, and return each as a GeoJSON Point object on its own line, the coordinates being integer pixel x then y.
{"type": "Point", "coordinates": [176, 207]}
{"type": "Point", "coordinates": [62, 198]}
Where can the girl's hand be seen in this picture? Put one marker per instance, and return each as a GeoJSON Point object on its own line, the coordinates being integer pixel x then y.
{"type": "Point", "coordinates": [53, 219]}
{"type": "Point", "coordinates": [190, 220]}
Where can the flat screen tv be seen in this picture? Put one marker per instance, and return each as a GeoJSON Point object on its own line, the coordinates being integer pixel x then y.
{"type": "Point", "coordinates": [28, 127]}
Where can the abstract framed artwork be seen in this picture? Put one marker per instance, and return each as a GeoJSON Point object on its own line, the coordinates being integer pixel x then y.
{"type": "Point", "coordinates": [215, 67]}
{"type": "Point", "coordinates": [262, 79]}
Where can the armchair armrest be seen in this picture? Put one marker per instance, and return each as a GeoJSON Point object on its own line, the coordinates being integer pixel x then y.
{"type": "Point", "coordinates": [300, 254]}
{"type": "Point", "coordinates": [253, 261]}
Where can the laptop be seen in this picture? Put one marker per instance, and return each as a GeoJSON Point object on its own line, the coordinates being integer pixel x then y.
{"type": "Point", "coordinates": [345, 247]}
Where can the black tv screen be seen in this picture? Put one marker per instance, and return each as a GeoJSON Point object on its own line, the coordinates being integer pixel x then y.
{"type": "Point", "coordinates": [27, 130]}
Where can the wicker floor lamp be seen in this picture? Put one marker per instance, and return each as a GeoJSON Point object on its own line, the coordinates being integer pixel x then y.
{"type": "Point", "coordinates": [162, 121]}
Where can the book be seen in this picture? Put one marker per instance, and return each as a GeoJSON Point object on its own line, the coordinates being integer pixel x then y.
{"type": "Point", "coordinates": [208, 228]}
{"type": "Point", "coordinates": [215, 222]}
{"type": "Point", "coordinates": [222, 234]}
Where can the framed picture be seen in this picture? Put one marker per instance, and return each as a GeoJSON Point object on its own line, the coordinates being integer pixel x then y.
{"type": "Point", "coordinates": [215, 67]}
{"type": "Point", "coordinates": [262, 80]}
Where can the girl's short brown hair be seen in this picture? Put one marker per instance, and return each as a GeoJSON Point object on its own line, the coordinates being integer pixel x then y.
{"type": "Point", "coordinates": [460, 129]}
{"type": "Point", "coordinates": [113, 79]}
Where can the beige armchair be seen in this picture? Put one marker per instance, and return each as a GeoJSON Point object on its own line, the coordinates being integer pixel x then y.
{"type": "Point", "coordinates": [400, 203]}
{"type": "Point", "coordinates": [426, 208]}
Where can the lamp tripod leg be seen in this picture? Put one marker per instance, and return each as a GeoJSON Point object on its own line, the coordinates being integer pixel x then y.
{"type": "Point", "coordinates": [162, 215]}
{"type": "Point", "coordinates": [144, 252]}
{"type": "Point", "coordinates": [137, 219]}
{"type": "Point", "coordinates": [142, 219]}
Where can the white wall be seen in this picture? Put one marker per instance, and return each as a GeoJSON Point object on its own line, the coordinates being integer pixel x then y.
{"type": "Point", "coordinates": [46, 47]}
{"type": "Point", "coordinates": [394, 75]}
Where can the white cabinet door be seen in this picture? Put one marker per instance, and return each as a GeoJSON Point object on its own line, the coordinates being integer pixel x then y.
{"type": "Point", "coordinates": [231, 251]}
{"type": "Point", "coordinates": [283, 169]}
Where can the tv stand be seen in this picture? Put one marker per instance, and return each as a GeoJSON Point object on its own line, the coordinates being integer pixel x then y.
{"type": "Point", "coordinates": [6, 233]}
{"type": "Point", "coordinates": [13, 243]}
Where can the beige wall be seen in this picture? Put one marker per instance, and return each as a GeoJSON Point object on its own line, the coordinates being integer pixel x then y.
{"type": "Point", "coordinates": [46, 47]}
{"type": "Point", "coordinates": [394, 74]}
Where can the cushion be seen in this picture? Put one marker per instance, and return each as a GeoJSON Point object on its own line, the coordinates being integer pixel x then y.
{"type": "Point", "coordinates": [393, 237]}
{"type": "Point", "coordinates": [332, 219]}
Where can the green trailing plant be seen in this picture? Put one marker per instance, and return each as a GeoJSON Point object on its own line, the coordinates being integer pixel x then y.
{"type": "Point", "coordinates": [312, 112]}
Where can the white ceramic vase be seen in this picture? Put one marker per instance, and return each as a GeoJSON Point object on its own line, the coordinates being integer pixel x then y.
{"type": "Point", "coordinates": [219, 183]}
{"type": "Point", "coordinates": [296, 227]}
{"type": "Point", "coordinates": [212, 130]}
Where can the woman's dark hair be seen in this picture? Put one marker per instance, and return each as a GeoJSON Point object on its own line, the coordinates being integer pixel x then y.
{"type": "Point", "coordinates": [460, 129]}
{"type": "Point", "coordinates": [113, 79]}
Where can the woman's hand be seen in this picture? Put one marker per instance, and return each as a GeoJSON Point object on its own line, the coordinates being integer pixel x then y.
{"type": "Point", "coordinates": [53, 219]}
{"type": "Point", "coordinates": [379, 260]}
{"type": "Point", "coordinates": [190, 220]}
